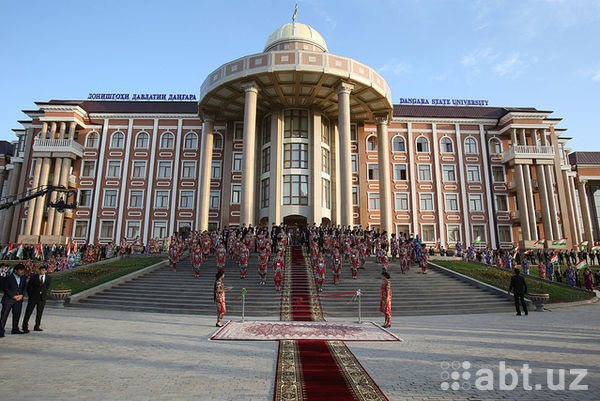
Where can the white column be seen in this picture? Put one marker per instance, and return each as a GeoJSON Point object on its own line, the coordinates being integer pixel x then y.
{"type": "Point", "coordinates": [438, 184]}
{"type": "Point", "coordinates": [275, 173]}
{"type": "Point", "coordinates": [336, 177]}
{"type": "Point", "coordinates": [489, 185]}
{"type": "Point", "coordinates": [463, 186]}
{"type": "Point", "coordinates": [124, 180]}
{"type": "Point", "coordinates": [316, 168]}
{"type": "Point", "coordinates": [347, 210]}
{"type": "Point", "coordinates": [521, 199]}
{"type": "Point", "coordinates": [249, 162]}
{"type": "Point", "coordinates": [100, 180]}
{"type": "Point", "coordinates": [385, 191]}
{"type": "Point", "coordinates": [410, 142]}
{"type": "Point", "coordinates": [41, 203]}
{"type": "Point", "coordinates": [550, 192]}
{"type": "Point", "coordinates": [55, 181]}
{"type": "Point", "coordinates": [529, 193]}
{"type": "Point", "coordinates": [573, 192]}
{"type": "Point", "coordinates": [571, 206]}
{"type": "Point", "coordinates": [208, 125]}
{"type": "Point", "coordinates": [585, 212]}
{"type": "Point", "coordinates": [149, 194]}
{"type": "Point", "coordinates": [64, 181]}
{"type": "Point", "coordinates": [175, 200]}
{"type": "Point", "coordinates": [35, 184]}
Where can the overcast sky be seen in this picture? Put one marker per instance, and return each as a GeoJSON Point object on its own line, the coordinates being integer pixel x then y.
{"type": "Point", "coordinates": [536, 53]}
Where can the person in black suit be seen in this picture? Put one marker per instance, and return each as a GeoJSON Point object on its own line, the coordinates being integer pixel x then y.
{"type": "Point", "coordinates": [519, 288]}
{"type": "Point", "coordinates": [14, 289]}
{"type": "Point", "coordinates": [37, 289]}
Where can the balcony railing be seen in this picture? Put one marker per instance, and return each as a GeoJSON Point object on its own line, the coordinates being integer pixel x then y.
{"type": "Point", "coordinates": [57, 146]}
{"type": "Point", "coordinates": [527, 152]}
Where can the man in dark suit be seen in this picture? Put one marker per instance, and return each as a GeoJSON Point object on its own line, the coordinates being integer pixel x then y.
{"type": "Point", "coordinates": [14, 289]}
{"type": "Point", "coordinates": [37, 289]}
{"type": "Point", "coordinates": [519, 288]}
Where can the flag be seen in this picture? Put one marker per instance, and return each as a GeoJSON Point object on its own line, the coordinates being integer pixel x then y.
{"type": "Point", "coordinates": [516, 249]}
{"type": "Point", "coordinates": [527, 252]}
{"type": "Point", "coordinates": [11, 247]}
{"type": "Point", "coordinates": [438, 243]}
{"type": "Point", "coordinates": [477, 240]}
{"type": "Point", "coordinates": [38, 251]}
{"type": "Point", "coordinates": [20, 251]}
{"type": "Point", "coordinates": [295, 13]}
{"type": "Point", "coordinates": [540, 241]}
{"type": "Point", "coordinates": [562, 241]}
{"type": "Point", "coordinates": [596, 248]}
{"type": "Point", "coordinates": [554, 258]}
{"type": "Point", "coordinates": [582, 244]}
{"type": "Point", "coordinates": [582, 263]}
{"type": "Point", "coordinates": [69, 248]}
{"type": "Point", "coordinates": [75, 247]}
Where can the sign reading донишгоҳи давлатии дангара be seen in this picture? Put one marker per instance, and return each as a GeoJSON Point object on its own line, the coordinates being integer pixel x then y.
{"type": "Point", "coordinates": [172, 97]}
{"type": "Point", "coordinates": [443, 102]}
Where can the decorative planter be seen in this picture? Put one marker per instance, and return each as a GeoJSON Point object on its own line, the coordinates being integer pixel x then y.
{"type": "Point", "coordinates": [60, 296]}
{"type": "Point", "coordinates": [539, 300]}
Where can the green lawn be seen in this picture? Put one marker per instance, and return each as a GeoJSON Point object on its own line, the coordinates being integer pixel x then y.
{"type": "Point", "coordinates": [501, 279]}
{"type": "Point", "coordinates": [89, 277]}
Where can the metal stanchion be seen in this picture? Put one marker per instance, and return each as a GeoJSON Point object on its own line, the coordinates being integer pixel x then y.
{"type": "Point", "coordinates": [358, 293]}
{"type": "Point", "coordinates": [243, 303]}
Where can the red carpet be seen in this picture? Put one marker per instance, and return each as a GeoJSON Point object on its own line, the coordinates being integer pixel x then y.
{"type": "Point", "coordinates": [308, 369]}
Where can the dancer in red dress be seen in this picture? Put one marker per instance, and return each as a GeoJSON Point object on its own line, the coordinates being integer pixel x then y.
{"type": "Point", "coordinates": [385, 303]}
{"type": "Point", "coordinates": [354, 261]}
{"type": "Point", "coordinates": [173, 253]}
{"type": "Point", "coordinates": [263, 261]}
{"type": "Point", "coordinates": [423, 261]}
{"type": "Point", "coordinates": [320, 272]}
{"type": "Point", "coordinates": [219, 296]}
{"type": "Point", "coordinates": [336, 264]}
{"type": "Point", "coordinates": [244, 254]}
{"type": "Point", "coordinates": [221, 255]}
{"type": "Point", "coordinates": [278, 273]}
{"type": "Point", "coordinates": [196, 259]}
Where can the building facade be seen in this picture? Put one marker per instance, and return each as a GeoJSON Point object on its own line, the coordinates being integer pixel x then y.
{"type": "Point", "coordinates": [298, 135]}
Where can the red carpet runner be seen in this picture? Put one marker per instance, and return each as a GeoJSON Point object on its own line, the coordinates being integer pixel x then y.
{"type": "Point", "coordinates": [315, 370]}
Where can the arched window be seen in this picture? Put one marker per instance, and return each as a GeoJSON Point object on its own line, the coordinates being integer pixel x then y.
{"type": "Point", "coordinates": [167, 140]}
{"type": "Point", "coordinates": [92, 140]}
{"type": "Point", "coordinates": [141, 140]}
{"type": "Point", "coordinates": [117, 140]}
{"type": "Point", "coordinates": [422, 145]}
{"type": "Point", "coordinates": [495, 146]}
{"type": "Point", "coordinates": [191, 141]}
{"type": "Point", "coordinates": [372, 143]}
{"type": "Point", "coordinates": [398, 144]}
{"type": "Point", "coordinates": [217, 141]}
{"type": "Point", "coordinates": [446, 145]}
{"type": "Point", "coordinates": [471, 146]}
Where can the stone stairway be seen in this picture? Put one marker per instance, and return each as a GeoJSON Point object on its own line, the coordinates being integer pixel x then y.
{"type": "Point", "coordinates": [167, 291]}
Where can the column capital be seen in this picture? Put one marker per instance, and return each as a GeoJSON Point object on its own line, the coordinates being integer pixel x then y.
{"type": "Point", "coordinates": [250, 86]}
{"type": "Point", "coordinates": [208, 118]}
{"type": "Point", "coordinates": [344, 87]}
{"type": "Point", "coordinates": [382, 118]}
{"type": "Point", "coordinates": [582, 181]}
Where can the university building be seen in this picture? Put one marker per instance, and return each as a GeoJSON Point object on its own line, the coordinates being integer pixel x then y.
{"type": "Point", "coordinates": [299, 135]}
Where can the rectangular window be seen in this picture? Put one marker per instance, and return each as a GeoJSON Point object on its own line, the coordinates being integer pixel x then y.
{"type": "Point", "coordinates": [236, 194]}
{"type": "Point", "coordinates": [372, 171]}
{"type": "Point", "coordinates": [448, 172]}
{"type": "Point", "coordinates": [451, 202]}
{"type": "Point", "coordinates": [325, 190]}
{"type": "Point", "coordinates": [132, 229]}
{"type": "Point", "coordinates": [110, 198]}
{"type": "Point", "coordinates": [498, 174]}
{"type": "Point", "coordinates": [265, 188]}
{"type": "Point", "coordinates": [114, 169]}
{"type": "Point", "coordinates": [162, 199]}
{"type": "Point", "coordinates": [138, 169]}
{"type": "Point", "coordinates": [426, 202]}
{"type": "Point", "coordinates": [355, 164]}
{"type": "Point", "coordinates": [505, 234]}
{"type": "Point", "coordinates": [85, 198]}
{"type": "Point", "coordinates": [428, 233]}
{"type": "Point", "coordinates": [479, 231]}
{"type": "Point", "coordinates": [295, 124]}
{"type": "Point", "coordinates": [400, 201]}
{"type": "Point", "coordinates": [34, 162]}
{"type": "Point", "coordinates": [165, 169]}
{"type": "Point", "coordinates": [159, 229]}
{"type": "Point", "coordinates": [325, 160]}
{"type": "Point", "coordinates": [215, 170]}
{"type": "Point", "coordinates": [453, 233]}
{"type": "Point", "coordinates": [353, 132]}
{"type": "Point", "coordinates": [295, 190]}
{"type": "Point", "coordinates": [502, 203]}
{"type": "Point", "coordinates": [215, 199]}
{"type": "Point", "coordinates": [107, 228]}
{"type": "Point", "coordinates": [424, 172]}
{"type": "Point", "coordinates": [188, 168]}
{"type": "Point", "coordinates": [266, 160]}
{"type": "Point", "coordinates": [373, 200]}
{"type": "Point", "coordinates": [473, 174]}
{"type": "Point", "coordinates": [81, 229]}
{"type": "Point", "coordinates": [355, 196]}
{"type": "Point", "coordinates": [88, 168]}
{"type": "Point", "coordinates": [325, 137]}
{"type": "Point", "coordinates": [237, 162]}
{"type": "Point", "coordinates": [475, 203]}
{"type": "Point", "coordinates": [266, 130]}
{"type": "Point", "coordinates": [238, 133]}
{"type": "Point", "coordinates": [186, 199]}
{"type": "Point", "coordinates": [136, 199]}
{"type": "Point", "coordinates": [295, 155]}
{"type": "Point", "coordinates": [400, 172]}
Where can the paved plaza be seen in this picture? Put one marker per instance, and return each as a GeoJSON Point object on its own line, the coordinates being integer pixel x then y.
{"type": "Point", "coordinates": [94, 354]}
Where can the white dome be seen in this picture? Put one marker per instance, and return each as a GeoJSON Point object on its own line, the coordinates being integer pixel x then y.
{"type": "Point", "coordinates": [296, 32]}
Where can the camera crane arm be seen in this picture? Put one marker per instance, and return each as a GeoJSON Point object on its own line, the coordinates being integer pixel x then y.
{"type": "Point", "coordinates": [60, 205]}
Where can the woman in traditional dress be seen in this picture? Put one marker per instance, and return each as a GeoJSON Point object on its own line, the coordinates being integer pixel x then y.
{"type": "Point", "coordinates": [196, 259]}
{"type": "Point", "coordinates": [423, 261]}
{"type": "Point", "coordinates": [385, 303]}
{"type": "Point", "coordinates": [542, 270]}
{"type": "Point", "coordinates": [278, 273]}
{"type": "Point", "coordinates": [354, 262]}
{"type": "Point", "coordinates": [221, 256]}
{"type": "Point", "coordinates": [570, 272]}
{"type": "Point", "coordinates": [243, 261]}
{"type": "Point", "coordinates": [173, 253]}
{"type": "Point", "coordinates": [588, 279]}
{"type": "Point", "coordinates": [263, 261]}
{"type": "Point", "coordinates": [320, 272]}
{"type": "Point", "coordinates": [219, 296]}
{"type": "Point", "coordinates": [336, 265]}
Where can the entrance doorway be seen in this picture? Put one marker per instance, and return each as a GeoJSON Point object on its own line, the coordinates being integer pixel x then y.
{"type": "Point", "coordinates": [295, 220]}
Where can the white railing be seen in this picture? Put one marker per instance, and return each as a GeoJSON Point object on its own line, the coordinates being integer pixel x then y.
{"type": "Point", "coordinates": [526, 151]}
{"type": "Point", "coordinates": [57, 145]}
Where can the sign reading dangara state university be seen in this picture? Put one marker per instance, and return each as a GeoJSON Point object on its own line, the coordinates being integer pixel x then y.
{"type": "Point", "coordinates": [172, 97]}
{"type": "Point", "coordinates": [444, 102]}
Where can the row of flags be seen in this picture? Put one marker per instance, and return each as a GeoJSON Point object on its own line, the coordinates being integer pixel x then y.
{"type": "Point", "coordinates": [10, 250]}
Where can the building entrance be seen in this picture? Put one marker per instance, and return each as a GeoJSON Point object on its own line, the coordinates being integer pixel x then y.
{"type": "Point", "coordinates": [295, 220]}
